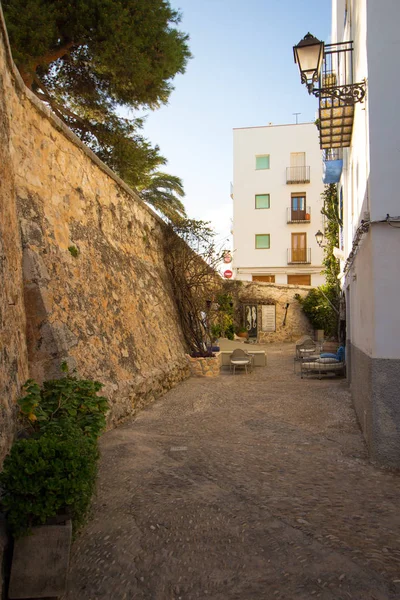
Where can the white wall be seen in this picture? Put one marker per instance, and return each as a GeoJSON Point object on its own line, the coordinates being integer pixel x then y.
{"type": "Point", "coordinates": [277, 141]}
{"type": "Point", "coordinates": [371, 173]}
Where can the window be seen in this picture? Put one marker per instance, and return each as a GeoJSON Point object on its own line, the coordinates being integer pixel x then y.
{"type": "Point", "coordinates": [262, 241]}
{"type": "Point", "coordinates": [262, 200]}
{"type": "Point", "coordinates": [264, 278]}
{"type": "Point", "coordinates": [299, 279]}
{"type": "Point", "coordinates": [262, 162]}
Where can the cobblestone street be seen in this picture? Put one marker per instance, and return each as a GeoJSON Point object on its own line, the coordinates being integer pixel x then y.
{"type": "Point", "coordinates": [242, 487]}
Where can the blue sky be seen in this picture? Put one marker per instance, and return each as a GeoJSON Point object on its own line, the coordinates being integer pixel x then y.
{"type": "Point", "coordinates": [242, 75]}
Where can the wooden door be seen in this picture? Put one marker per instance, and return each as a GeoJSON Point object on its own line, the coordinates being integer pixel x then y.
{"type": "Point", "coordinates": [265, 278]}
{"type": "Point", "coordinates": [298, 207]}
{"type": "Point", "coordinates": [297, 166]}
{"type": "Point", "coordinates": [299, 279]}
{"type": "Point", "coordinates": [299, 247]}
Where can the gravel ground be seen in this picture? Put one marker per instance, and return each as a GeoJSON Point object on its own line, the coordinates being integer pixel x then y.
{"type": "Point", "coordinates": [242, 487]}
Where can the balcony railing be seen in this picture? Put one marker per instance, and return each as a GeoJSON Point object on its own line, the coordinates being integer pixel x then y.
{"type": "Point", "coordinates": [298, 256]}
{"type": "Point", "coordinates": [297, 174]}
{"type": "Point", "coordinates": [298, 216]}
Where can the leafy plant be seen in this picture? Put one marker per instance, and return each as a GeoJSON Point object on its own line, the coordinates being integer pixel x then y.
{"type": "Point", "coordinates": [54, 470]}
{"type": "Point", "coordinates": [73, 251]}
{"type": "Point", "coordinates": [319, 307]}
{"type": "Point", "coordinates": [61, 403]}
{"type": "Point", "coordinates": [223, 317]}
{"type": "Point", "coordinates": [47, 476]}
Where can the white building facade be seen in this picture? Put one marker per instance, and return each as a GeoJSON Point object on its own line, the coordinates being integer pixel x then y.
{"type": "Point", "coordinates": [277, 187]}
{"type": "Point", "coordinates": [368, 189]}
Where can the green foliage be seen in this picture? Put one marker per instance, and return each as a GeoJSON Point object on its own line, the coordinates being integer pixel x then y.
{"type": "Point", "coordinates": [163, 192]}
{"type": "Point", "coordinates": [317, 305]}
{"type": "Point", "coordinates": [47, 476]}
{"type": "Point", "coordinates": [223, 318]}
{"type": "Point", "coordinates": [93, 62]}
{"type": "Point", "coordinates": [62, 403]}
{"type": "Point", "coordinates": [73, 251]}
{"type": "Point", "coordinates": [54, 470]}
{"type": "Point", "coordinates": [331, 233]}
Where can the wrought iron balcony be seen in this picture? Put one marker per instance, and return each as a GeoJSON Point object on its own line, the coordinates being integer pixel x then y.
{"type": "Point", "coordinates": [296, 256]}
{"type": "Point", "coordinates": [332, 165]}
{"type": "Point", "coordinates": [298, 216]}
{"type": "Point", "coordinates": [337, 95]}
{"type": "Point", "coordinates": [297, 175]}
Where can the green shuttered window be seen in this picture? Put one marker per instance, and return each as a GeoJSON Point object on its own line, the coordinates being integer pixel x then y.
{"type": "Point", "coordinates": [262, 241]}
{"type": "Point", "coordinates": [262, 162]}
{"type": "Point", "coordinates": [262, 200]}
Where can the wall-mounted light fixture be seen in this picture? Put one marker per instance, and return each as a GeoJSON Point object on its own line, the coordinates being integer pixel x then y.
{"type": "Point", "coordinates": [319, 236]}
{"type": "Point", "coordinates": [327, 70]}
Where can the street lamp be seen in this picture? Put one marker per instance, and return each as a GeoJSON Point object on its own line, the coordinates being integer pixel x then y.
{"type": "Point", "coordinates": [308, 55]}
{"type": "Point", "coordinates": [319, 236]}
{"type": "Point", "coordinates": [321, 65]}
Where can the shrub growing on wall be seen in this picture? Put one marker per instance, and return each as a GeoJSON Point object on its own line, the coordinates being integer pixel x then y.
{"type": "Point", "coordinates": [52, 470]}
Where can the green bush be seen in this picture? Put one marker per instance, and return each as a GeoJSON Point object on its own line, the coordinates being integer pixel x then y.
{"type": "Point", "coordinates": [54, 471]}
{"type": "Point", "coordinates": [317, 306]}
{"type": "Point", "coordinates": [47, 476]}
{"type": "Point", "coordinates": [61, 402]}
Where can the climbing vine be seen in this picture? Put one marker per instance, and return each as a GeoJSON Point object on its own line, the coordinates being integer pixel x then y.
{"type": "Point", "coordinates": [330, 210]}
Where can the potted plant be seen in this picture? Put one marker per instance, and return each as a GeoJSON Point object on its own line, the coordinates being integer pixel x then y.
{"type": "Point", "coordinates": [48, 480]}
{"type": "Point", "coordinates": [242, 332]}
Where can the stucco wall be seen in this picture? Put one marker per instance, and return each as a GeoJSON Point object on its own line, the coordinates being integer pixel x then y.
{"type": "Point", "coordinates": [278, 142]}
{"type": "Point", "coordinates": [108, 311]}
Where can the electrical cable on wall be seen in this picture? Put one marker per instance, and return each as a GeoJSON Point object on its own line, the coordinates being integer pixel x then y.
{"type": "Point", "coordinates": [363, 228]}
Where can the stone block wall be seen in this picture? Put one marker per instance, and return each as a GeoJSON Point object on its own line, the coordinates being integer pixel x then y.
{"type": "Point", "coordinates": [13, 354]}
{"type": "Point", "coordinates": [296, 323]}
{"type": "Point", "coordinates": [83, 258]}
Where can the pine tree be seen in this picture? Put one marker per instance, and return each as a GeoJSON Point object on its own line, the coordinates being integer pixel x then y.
{"type": "Point", "coordinates": [93, 60]}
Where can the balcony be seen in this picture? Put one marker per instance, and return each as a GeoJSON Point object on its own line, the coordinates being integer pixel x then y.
{"type": "Point", "coordinates": [332, 165]}
{"type": "Point", "coordinates": [298, 216]}
{"type": "Point", "coordinates": [297, 175]}
{"type": "Point", "coordinates": [299, 256]}
{"type": "Point", "coordinates": [337, 96]}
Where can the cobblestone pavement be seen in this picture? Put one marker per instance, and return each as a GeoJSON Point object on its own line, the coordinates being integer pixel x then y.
{"type": "Point", "coordinates": [242, 487]}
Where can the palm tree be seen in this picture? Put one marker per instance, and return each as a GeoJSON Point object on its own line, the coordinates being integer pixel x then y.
{"type": "Point", "coordinates": [163, 192]}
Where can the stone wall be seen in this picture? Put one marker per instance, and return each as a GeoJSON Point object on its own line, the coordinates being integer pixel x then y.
{"type": "Point", "coordinates": [288, 329]}
{"type": "Point", "coordinates": [96, 291]}
{"type": "Point", "coordinates": [13, 355]}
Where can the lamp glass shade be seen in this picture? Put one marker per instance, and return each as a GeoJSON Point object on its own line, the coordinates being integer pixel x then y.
{"type": "Point", "coordinates": [309, 54]}
{"type": "Point", "coordinates": [319, 236]}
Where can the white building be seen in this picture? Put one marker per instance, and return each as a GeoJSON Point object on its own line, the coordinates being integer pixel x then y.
{"type": "Point", "coordinates": [277, 186]}
{"type": "Point", "coordinates": [367, 133]}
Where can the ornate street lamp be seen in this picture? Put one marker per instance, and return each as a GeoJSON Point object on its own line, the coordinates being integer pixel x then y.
{"type": "Point", "coordinates": [308, 55]}
{"type": "Point", "coordinates": [321, 65]}
{"type": "Point", "coordinates": [319, 236]}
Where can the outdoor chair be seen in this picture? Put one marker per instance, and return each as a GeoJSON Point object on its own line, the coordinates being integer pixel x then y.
{"type": "Point", "coordinates": [304, 347]}
{"type": "Point", "coordinates": [240, 358]}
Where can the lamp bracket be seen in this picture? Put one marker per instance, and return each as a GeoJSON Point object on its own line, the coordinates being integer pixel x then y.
{"type": "Point", "coordinates": [347, 94]}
